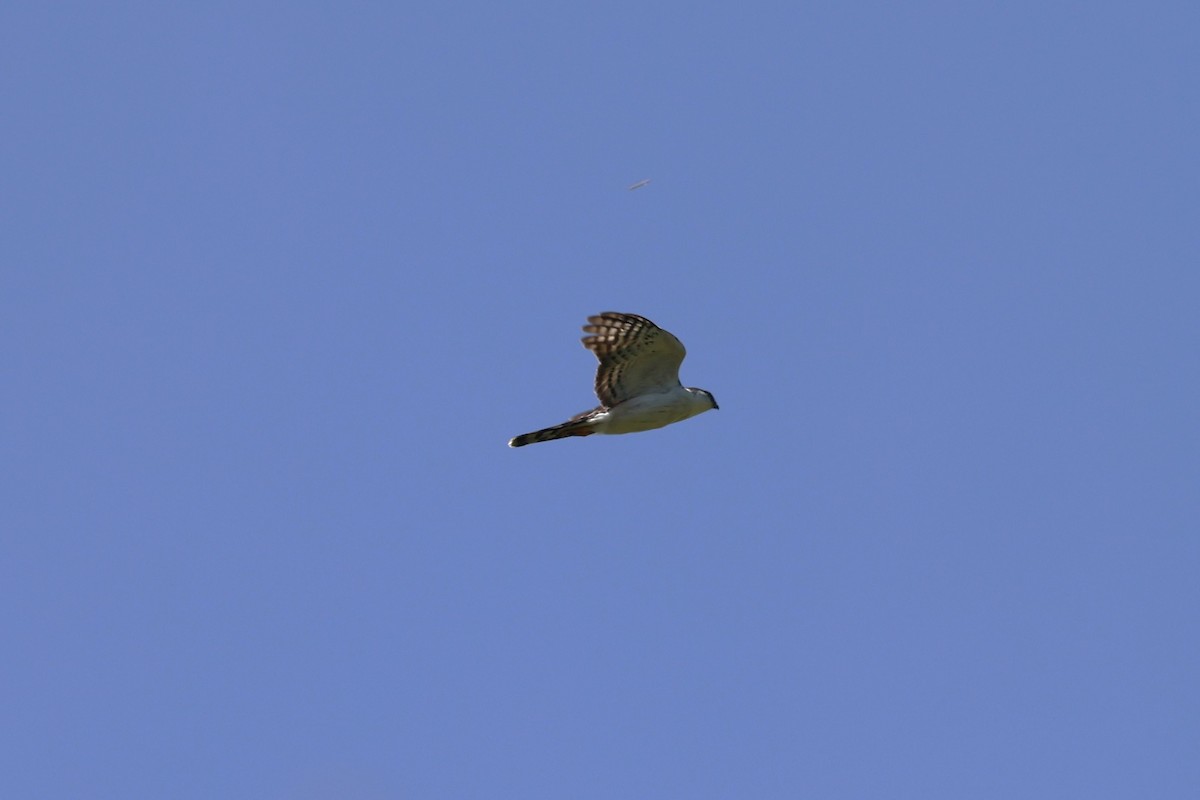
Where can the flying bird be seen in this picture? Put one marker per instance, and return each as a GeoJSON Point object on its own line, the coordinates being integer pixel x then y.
{"type": "Point", "coordinates": [637, 381]}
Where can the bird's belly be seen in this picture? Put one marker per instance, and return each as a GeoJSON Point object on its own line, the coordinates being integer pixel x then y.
{"type": "Point", "coordinates": [647, 413]}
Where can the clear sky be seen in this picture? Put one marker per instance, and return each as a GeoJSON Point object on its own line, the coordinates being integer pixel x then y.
{"type": "Point", "coordinates": [279, 281]}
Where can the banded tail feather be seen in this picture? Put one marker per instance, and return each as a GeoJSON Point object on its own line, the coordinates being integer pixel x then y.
{"type": "Point", "coordinates": [577, 426]}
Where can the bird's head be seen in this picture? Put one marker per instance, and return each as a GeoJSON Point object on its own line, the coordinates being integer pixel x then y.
{"type": "Point", "coordinates": [704, 397]}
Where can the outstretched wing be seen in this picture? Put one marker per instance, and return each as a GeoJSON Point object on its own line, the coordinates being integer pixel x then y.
{"type": "Point", "coordinates": [636, 356]}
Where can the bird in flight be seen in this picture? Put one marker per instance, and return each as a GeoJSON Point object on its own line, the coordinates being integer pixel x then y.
{"type": "Point", "coordinates": [637, 381]}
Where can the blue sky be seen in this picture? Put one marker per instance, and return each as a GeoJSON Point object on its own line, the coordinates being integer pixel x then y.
{"type": "Point", "coordinates": [281, 280]}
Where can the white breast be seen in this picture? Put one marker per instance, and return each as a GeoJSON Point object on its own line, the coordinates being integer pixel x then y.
{"type": "Point", "coordinates": [649, 411]}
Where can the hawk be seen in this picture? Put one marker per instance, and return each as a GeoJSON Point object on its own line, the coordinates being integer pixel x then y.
{"type": "Point", "coordinates": [637, 381]}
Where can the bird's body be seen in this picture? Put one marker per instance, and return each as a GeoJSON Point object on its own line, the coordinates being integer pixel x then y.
{"type": "Point", "coordinates": [637, 381]}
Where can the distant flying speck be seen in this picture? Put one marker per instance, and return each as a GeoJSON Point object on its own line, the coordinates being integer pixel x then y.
{"type": "Point", "coordinates": [639, 184]}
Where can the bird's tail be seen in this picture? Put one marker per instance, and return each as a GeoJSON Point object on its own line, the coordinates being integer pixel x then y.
{"type": "Point", "coordinates": [579, 426]}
